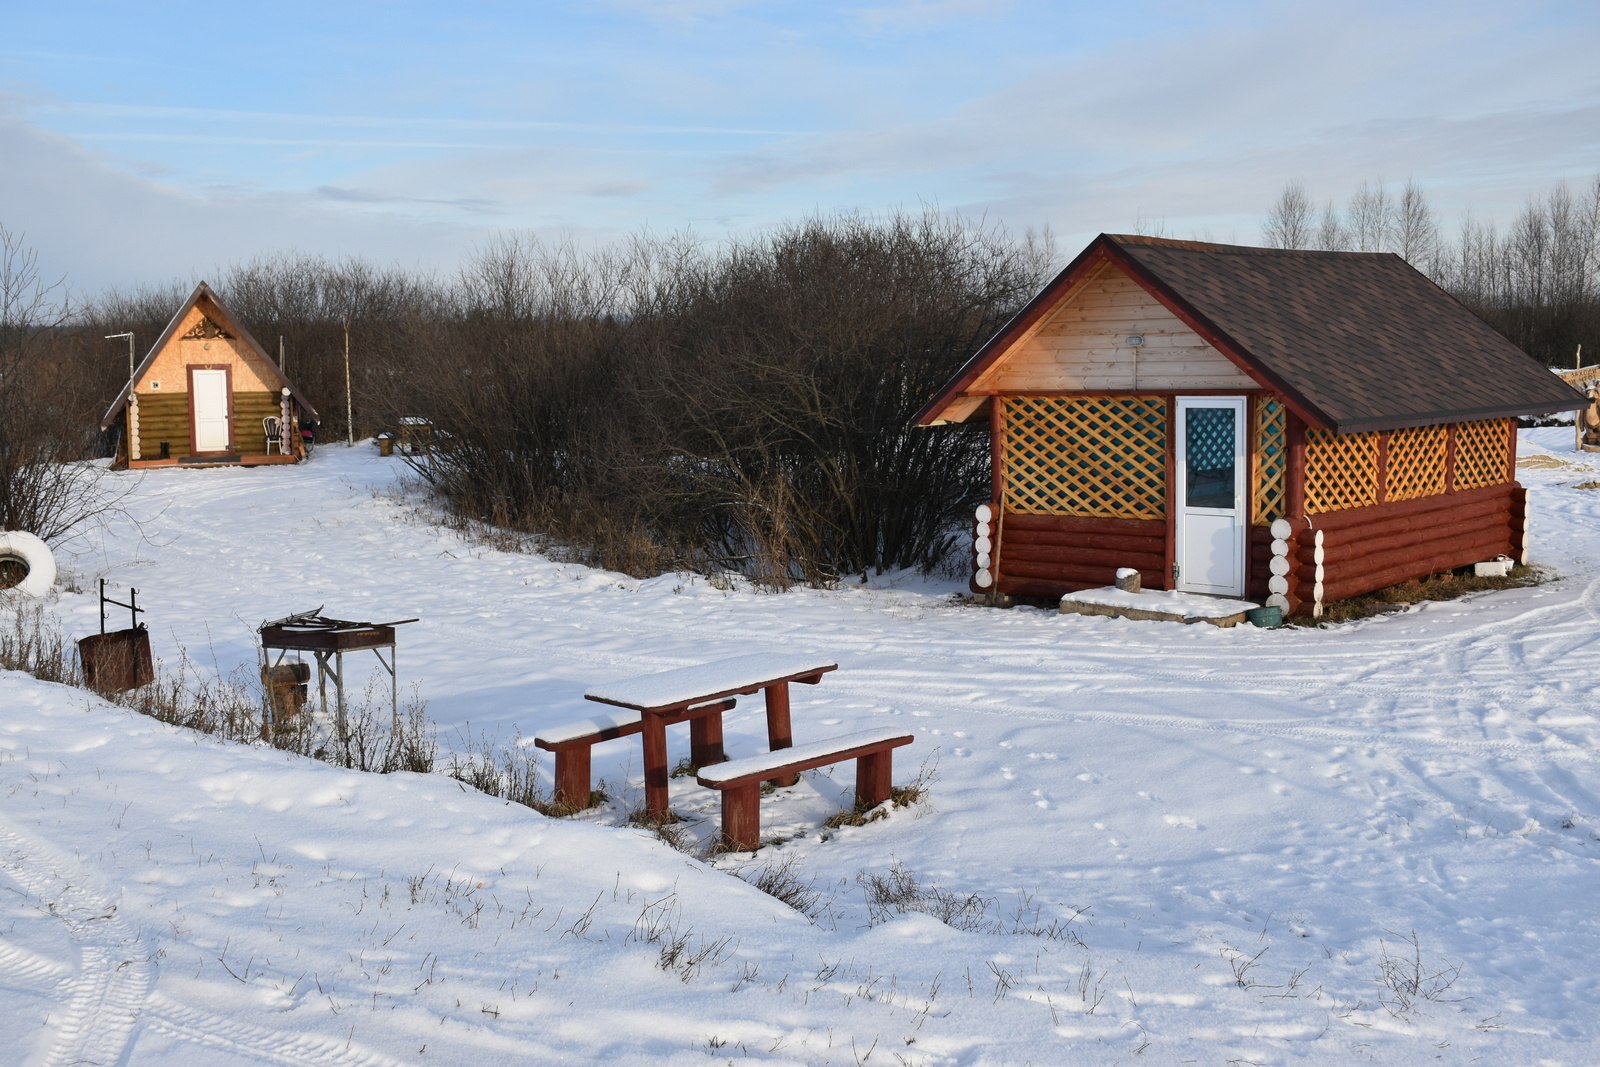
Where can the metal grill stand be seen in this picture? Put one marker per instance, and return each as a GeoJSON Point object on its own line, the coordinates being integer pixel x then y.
{"type": "Point", "coordinates": [328, 640]}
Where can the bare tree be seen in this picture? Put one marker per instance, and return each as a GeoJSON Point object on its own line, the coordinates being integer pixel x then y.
{"type": "Point", "coordinates": [1289, 222]}
{"type": "Point", "coordinates": [1331, 233]}
{"type": "Point", "coordinates": [1416, 232]}
{"type": "Point", "coordinates": [45, 487]}
{"type": "Point", "coordinates": [1369, 215]}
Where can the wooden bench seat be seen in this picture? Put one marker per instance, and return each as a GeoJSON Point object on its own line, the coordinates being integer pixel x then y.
{"type": "Point", "coordinates": [572, 742]}
{"type": "Point", "coordinates": [740, 780]}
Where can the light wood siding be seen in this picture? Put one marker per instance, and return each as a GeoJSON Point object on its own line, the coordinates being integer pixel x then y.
{"type": "Point", "coordinates": [168, 368]}
{"type": "Point", "coordinates": [248, 410]}
{"type": "Point", "coordinates": [163, 417]}
{"type": "Point", "coordinates": [1080, 346]}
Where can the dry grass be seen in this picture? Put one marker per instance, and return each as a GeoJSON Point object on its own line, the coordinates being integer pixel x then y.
{"type": "Point", "coordinates": [229, 708]}
{"type": "Point", "coordinates": [1438, 587]}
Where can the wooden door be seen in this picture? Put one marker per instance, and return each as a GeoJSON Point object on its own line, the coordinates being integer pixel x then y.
{"type": "Point", "coordinates": [1211, 520]}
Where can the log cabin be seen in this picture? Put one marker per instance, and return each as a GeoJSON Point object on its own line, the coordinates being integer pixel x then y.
{"type": "Point", "coordinates": [1295, 427]}
{"type": "Point", "coordinates": [207, 393]}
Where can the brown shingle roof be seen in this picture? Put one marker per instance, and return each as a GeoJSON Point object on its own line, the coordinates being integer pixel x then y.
{"type": "Point", "coordinates": [1354, 340]}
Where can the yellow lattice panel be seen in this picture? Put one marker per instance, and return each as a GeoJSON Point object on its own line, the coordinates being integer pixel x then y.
{"type": "Point", "coordinates": [1271, 444]}
{"type": "Point", "coordinates": [1483, 453]}
{"type": "Point", "coordinates": [1341, 471]}
{"type": "Point", "coordinates": [1095, 456]}
{"type": "Point", "coordinates": [1416, 462]}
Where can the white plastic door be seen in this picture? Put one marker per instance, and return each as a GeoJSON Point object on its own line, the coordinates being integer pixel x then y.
{"type": "Point", "coordinates": [1211, 520]}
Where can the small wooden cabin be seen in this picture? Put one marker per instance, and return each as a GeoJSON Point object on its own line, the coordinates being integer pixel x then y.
{"type": "Point", "coordinates": [207, 393]}
{"type": "Point", "coordinates": [1295, 427]}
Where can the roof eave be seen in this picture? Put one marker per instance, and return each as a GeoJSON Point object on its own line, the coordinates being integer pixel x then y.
{"type": "Point", "coordinates": [1436, 418]}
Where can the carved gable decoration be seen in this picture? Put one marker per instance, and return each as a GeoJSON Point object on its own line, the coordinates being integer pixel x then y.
{"type": "Point", "coordinates": [205, 329]}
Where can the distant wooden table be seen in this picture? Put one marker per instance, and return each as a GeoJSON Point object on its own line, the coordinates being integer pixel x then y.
{"type": "Point", "coordinates": [672, 696]}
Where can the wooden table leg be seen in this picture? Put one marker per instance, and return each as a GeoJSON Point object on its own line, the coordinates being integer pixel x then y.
{"type": "Point", "coordinates": [572, 777]}
{"type": "Point", "coordinates": [874, 778]}
{"type": "Point", "coordinates": [741, 817]}
{"type": "Point", "coordinates": [779, 732]}
{"type": "Point", "coordinates": [654, 732]}
{"type": "Point", "coordinates": [705, 740]}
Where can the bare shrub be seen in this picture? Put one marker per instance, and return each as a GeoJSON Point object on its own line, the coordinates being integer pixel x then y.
{"type": "Point", "coordinates": [656, 407]}
{"type": "Point", "coordinates": [898, 891]}
{"type": "Point", "coordinates": [783, 882]}
{"type": "Point", "coordinates": [1408, 979]}
{"type": "Point", "coordinates": [32, 643]}
{"type": "Point", "coordinates": [44, 425]}
{"type": "Point", "coordinates": [509, 772]}
{"type": "Point", "coordinates": [377, 739]}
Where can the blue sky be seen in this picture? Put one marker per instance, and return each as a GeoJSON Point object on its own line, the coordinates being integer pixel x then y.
{"type": "Point", "coordinates": [158, 142]}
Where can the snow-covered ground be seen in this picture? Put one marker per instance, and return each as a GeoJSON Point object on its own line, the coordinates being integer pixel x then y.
{"type": "Point", "coordinates": [1376, 842]}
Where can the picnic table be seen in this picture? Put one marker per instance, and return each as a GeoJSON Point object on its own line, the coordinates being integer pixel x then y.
{"type": "Point", "coordinates": [676, 695]}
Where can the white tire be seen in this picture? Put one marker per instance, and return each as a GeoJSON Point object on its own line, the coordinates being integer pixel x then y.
{"type": "Point", "coordinates": [33, 554]}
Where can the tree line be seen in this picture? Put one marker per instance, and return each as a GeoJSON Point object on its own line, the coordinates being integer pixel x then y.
{"type": "Point", "coordinates": [655, 405]}
{"type": "Point", "coordinates": [1537, 281]}
{"type": "Point", "coordinates": [664, 404]}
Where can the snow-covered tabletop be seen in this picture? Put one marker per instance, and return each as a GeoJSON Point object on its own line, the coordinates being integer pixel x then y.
{"type": "Point", "coordinates": [707, 681]}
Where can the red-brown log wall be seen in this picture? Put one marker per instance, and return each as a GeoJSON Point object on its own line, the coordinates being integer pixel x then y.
{"type": "Point", "coordinates": [1258, 563]}
{"type": "Point", "coordinates": [1048, 555]}
{"type": "Point", "coordinates": [1365, 549]}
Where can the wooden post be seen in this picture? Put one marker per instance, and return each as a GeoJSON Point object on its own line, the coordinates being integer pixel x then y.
{"type": "Point", "coordinates": [572, 777]}
{"type": "Point", "coordinates": [997, 449]}
{"type": "Point", "coordinates": [705, 740]}
{"type": "Point", "coordinates": [779, 732]}
{"type": "Point", "coordinates": [1450, 433]}
{"type": "Point", "coordinates": [1511, 451]}
{"type": "Point", "coordinates": [656, 802]}
{"type": "Point", "coordinates": [874, 778]}
{"type": "Point", "coordinates": [349, 417]}
{"type": "Point", "coordinates": [1295, 473]}
{"type": "Point", "coordinates": [1383, 467]}
{"type": "Point", "coordinates": [741, 817]}
{"type": "Point", "coordinates": [1170, 552]}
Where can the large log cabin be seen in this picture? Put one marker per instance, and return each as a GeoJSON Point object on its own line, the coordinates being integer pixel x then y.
{"type": "Point", "coordinates": [203, 396]}
{"type": "Point", "coordinates": [1294, 427]}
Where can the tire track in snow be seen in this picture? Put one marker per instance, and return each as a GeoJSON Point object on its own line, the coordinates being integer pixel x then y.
{"type": "Point", "coordinates": [110, 993]}
{"type": "Point", "coordinates": [1332, 734]}
{"type": "Point", "coordinates": [242, 1040]}
{"type": "Point", "coordinates": [107, 990]}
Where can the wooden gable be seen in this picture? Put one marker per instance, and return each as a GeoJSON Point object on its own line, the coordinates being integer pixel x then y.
{"type": "Point", "coordinates": [201, 338]}
{"type": "Point", "coordinates": [1082, 345]}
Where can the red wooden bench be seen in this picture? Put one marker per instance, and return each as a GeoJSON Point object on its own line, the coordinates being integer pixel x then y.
{"type": "Point", "coordinates": [740, 780]}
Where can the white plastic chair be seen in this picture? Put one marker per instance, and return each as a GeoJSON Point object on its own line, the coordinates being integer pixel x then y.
{"type": "Point", "coordinates": [272, 426]}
